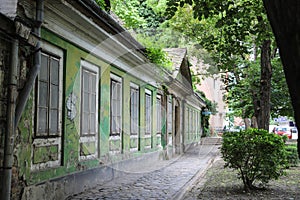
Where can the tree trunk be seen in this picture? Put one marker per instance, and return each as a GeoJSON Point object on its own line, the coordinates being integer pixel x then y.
{"type": "Point", "coordinates": [263, 117]}
{"type": "Point", "coordinates": [284, 16]}
{"type": "Point", "coordinates": [247, 123]}
{"type": "Point", "coordinates": [254, 123]}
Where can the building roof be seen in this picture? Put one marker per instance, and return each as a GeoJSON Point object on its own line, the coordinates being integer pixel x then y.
{"type": "Point", "coordinates": [180, 67]}
{"type": "Point", "coordinates": [177, 56]}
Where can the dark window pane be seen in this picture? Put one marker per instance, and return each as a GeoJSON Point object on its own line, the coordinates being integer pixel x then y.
{"type": "Point", "coordinates": [54, 71]}
{"type": "Point", "coordinates": [93, 83]}
{"type": "Point", "coordinates": [118, 91]}
{"type": "Point", "coordinates": [114, 108]}
{"type": "Point", "coordinates": [54, 96]}
{"type": "Point", "coordinates": [43, 94]}
{"type": "Point", "coordinates": [113, 125]}
{"type": "Point", "coordinates": [85, 121]}
{"type": "Point", "coordinates": [93, 103]}
{"type": "Point", "coordinates": [44, 68]}
{"type": "Point", "coordinates": [93, 123]}
{"type": "Point", "coordinates": [42, 121]}
{"type": "Point", "coordinates": [85, 81]}
{"type": "Point", "coordinates": [53, 122]}
{"type": "Point", "coordinates": [86, 102]}
{"type": "Point", "coordinates": [116, 111]}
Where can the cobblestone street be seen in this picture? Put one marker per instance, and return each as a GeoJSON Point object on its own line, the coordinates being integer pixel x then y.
{"type": "Point", "coordinates": [162, 180]}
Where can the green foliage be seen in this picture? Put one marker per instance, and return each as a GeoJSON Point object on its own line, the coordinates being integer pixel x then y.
{"type": "Point", "coordinates": [292, 155]}
{"type": "Point", "coordinates": [205, 125]}
{"type": "Point", "coordinates": [128, 11]}
{"type": "Point", "coordinates": [195, 80]}
{"type": "Point", "coordinates": [245, 86]}
{"type": "Point", "coordinates": [256, 154]}
{"type": "Point", "coordinates": [233, 34]}
{"type": "Point", "coordinates": [101, 3]}
{"type": "Point", "coordinates": [155, 52]}
{"type": "Point", "coordinates": [280, 97]}
{"type": "Point", "coordinates": [211, 107]}
{"type": "Point", "coordinates": [141, 18]}
{"type": "Point", "coordinates": [242, 88]}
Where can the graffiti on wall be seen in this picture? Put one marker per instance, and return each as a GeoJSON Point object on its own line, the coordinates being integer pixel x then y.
{"type": "Point", "coordinates": [71, 106]}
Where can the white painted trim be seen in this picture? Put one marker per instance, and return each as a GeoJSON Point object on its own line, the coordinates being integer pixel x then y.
{"type": "Point", "coordinates": [117, 137]}
{"type": "Point", "coordinates": [45, 143]}
{"type": "Point", "coordinates": [38, 142]}
{"type": "Point", "coordinates": [89, 139]}
{"type": "Point", "coordinates": [149, 92]}
{"type": "Point", "coordinates": [116, 77]}
{"type": "Point", "coordinates": [148, 137]}
{"type": "Point", "coordinates": [133, 85]}
{"type": "Point", "coordinates": [95, 69]}
{"type": "Point", "coordinates": [137, 143]}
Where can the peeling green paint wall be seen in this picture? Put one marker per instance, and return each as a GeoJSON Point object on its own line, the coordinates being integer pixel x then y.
{"type": "Point", "coordinates": [71, 163]}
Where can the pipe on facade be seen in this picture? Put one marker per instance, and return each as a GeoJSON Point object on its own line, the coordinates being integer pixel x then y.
{"type": "Point", "coordinates": [15, 110]}
{"type": "Point", "coordinates": [24, 94]}
{"type": "Point", "coordinates": [10, 128]}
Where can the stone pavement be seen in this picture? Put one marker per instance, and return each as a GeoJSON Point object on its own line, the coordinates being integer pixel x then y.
{"type": "Point", "coordinates": [165, 179]}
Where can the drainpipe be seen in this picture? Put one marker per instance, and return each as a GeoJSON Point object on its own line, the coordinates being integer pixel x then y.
{"type": "Point", "coordinates": [15, 110]}
{"type": "Point", "coordinates": [24, 94]}
{"type": "Point", "coordinates": [10, 129]}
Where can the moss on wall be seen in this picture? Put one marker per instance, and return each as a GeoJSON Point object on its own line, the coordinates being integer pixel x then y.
{"type": "Point", "coordinates": [71, 148]}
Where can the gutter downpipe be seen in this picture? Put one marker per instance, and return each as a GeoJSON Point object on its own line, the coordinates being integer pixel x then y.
{"type": "Point", "coordinates": [24, 94]}
{"type": "Point", "coordinates": [15, 110]}
{"type": "Point", "coordinates": [10, 128]}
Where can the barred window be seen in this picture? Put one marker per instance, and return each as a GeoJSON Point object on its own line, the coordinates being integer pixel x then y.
{"type": "Point", "coordinates": [46, 146]}
{"type": "Point", "coordinates": [48, 97]}
{"type": "Point", "coordinates": [89, 102]}
{"type": "Point", "coordinates": [170, 115]}
{"type": "Point", "coordinates": [116, 106]}
{"type": "Point", "coordinates": [158, 114]}
{"type": "Point", "coordinates": [134, 110]}
{"type": "Point", "coordinates": [148, 114]}
{"type": "Point", "coordinates": [89, 111]}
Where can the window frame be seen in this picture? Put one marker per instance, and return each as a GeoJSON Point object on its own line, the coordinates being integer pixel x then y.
{"type": "Point", "coordinates": [148, 124]}
{"type": "Point", "coordinates": [49, 140]}
{"type": "Point", "coordinates": [134, 121]}
{"type": "Point", "coordinates": [159, 118]}
{"type": "Point", "coordinates": [89, 138]}
{"type": "Point", "coordinates": [170, 114]}
{"type": "Point", "coordinates": [117, 79]}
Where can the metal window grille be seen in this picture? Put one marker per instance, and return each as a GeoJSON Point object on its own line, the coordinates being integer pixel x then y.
{"type": "Point", "coordinates": [48, 97]}
{"type": "Point", "coordinates": [116, 107]}
{"type": "Point", "coordinates": [88, 100]}
{"type": "Point", "coordinates": [134, 111]}
{"type": "Point", "coordinates": [148, 114]}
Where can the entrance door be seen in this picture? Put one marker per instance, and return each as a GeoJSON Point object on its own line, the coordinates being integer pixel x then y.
{"type": "Point", "coordinates": [177, 129]}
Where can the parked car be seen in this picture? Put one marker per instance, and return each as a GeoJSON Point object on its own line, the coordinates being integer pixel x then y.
{"type": "Point", "coordinates": [294, 132]}
{"type": "Point", "coordinates": [283, 130]}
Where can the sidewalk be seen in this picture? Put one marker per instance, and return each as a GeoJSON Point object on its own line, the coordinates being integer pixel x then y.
{"type": "Point", "coordinates": [168, 179]}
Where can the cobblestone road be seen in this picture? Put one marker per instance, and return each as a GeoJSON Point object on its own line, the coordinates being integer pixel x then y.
{"type": "Point", "coordinates": [162, 180]}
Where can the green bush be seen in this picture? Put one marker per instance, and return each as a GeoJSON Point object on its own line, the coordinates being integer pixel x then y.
{"type": "Point", "coordinates": [258, 156]}
{"type": "Point", "coordinates": [292, 155]}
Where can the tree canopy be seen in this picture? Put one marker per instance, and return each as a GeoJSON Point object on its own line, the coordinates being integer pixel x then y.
{"type": "Point", "coordinates": [242, 41]}
{"type": "Point", "coordinates": [229, 35]}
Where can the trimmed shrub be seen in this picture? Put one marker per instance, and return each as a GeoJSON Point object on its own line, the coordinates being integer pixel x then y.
{"type": "Point", "coordinates": [256, 154]}
{"type": "Point", "coordinates": [292, 155]}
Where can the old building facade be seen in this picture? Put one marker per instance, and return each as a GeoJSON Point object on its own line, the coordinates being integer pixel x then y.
{"type": "Point", "coordinates": [78, 96]}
